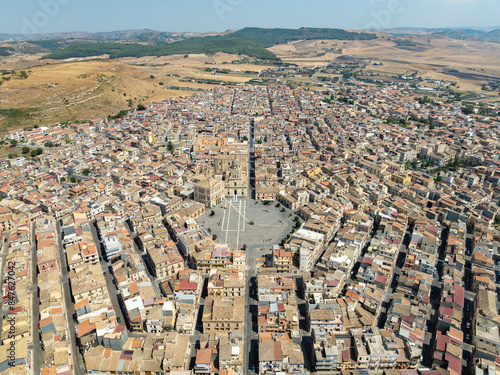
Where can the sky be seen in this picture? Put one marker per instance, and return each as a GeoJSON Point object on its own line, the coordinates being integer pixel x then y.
{"type": "Point", "coordinates": [48, 16]}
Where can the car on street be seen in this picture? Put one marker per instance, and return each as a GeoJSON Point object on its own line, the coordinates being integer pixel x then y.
{"type": "Point", "coordinates": [118, 320]}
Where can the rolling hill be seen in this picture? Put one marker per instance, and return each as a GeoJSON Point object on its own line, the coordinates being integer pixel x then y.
{"type": "Point", "coordinates": [249, 41]}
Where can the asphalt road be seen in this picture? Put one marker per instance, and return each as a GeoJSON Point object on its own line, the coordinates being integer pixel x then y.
{"type": "Point", "coordinates": [468, 311]}
{"type": "Point", "coordinates": [143, 255]}
{"type": "Point", "coordinates": [435, 299]}
{"type": "Point", "coordinates": [106, 269]}
{"type": "Point", "coordinates": [251, 336]}
{"type": "Point", "coordinates": [393, 283]}
{"type": "Point", "coordinates": [5, 251]}
{"type": "Point", "coordinates": [198, 329]}
{"type": "Point", "coordinates": [76, 358]}
{"type": "Point", "coordinates": [36, 349]}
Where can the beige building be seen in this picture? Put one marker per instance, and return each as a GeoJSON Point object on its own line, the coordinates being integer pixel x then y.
{"type": "Point", "coordinates": [209, 192]}
{"type": "Point", "coordinates": [236, 179]}
{"type": "Point", "coordinates": [228, 283]}
{"type": "Point", "coordinates": [87, 281]}
{"type": "Point", "coordinates": [166, 260]}
{"type": "Point", "coordinates": [223, 162]}
{"type": "Point", "coordinates": [223, 314]}
{"type": "Point", "coordinates": [230, 354]}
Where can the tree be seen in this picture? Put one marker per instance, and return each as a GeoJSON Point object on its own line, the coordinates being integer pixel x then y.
{"type": "Point", "coordinates": [283, 241]}
{"type": "Point", "coordinates": [278, 205]}
{"type": "Point", "coordinates": [259, 141]}
{"type": "Point", "coordinates": [283, 209]}
{"type": "Point", "coordinates": [170, 147]}
{"type": "Point", "coordinates": [209, 230]}
{"type": "Point", "coordinates": [73, 179]}
{"type": "Point", "coordinates": [212, 213]}
{"type": "Point", "coordinates": [39, 151]}
{"type": "Point", "coordinates": [244, 246]}
{"type": "Point", "coordinates": [33, 153]}
{"type": "Point", "coordinates": [11, 156]}
{"type": "Point", "coordinates": [469, 109]}
{"type": "Point", "coordinates": [13, 142]}
{"type": "Point", "coordinates": [245, 138]}
{"type": "Point", "coordinates": [151, 76]}
{"type": "Point", "coordinates": [497, 219]}
{"type": "Point", "coordinates": [214, 237]}
{"type": "Point", "coordinates": [140, 107]}
{"type": "Point", "coordinates": [63, 179]}
{"type": "Point", "coordinates": [86, 172]}
{"type": "Point", "coordinates": [25, 150]}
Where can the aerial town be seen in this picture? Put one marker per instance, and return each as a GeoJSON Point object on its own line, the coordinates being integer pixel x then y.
{"type": "Point", "coordinates": [256, 229]}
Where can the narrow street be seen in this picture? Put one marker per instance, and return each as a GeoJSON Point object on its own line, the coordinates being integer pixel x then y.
{"type": "Point", "coordinates": [251, 345]}
{"type": "Point", "coordinates": [5, 251]}
{"type": "Point", "coordinates": [435, 300]}
{"type": "Point", "coordinates": [68, 304]}
{"type": "Point", "coordinates": [36, 349]}
{"type": "Point", "coordinates": [394, 280]}
{"type": "Point", "coordinates": [194, 338]}
{"type": "Point", "coordinates": [468, 311]}
{"type": "Point", "coordinates": [108, 276]}
{"type": "Point", "coordinates": [145, 263]}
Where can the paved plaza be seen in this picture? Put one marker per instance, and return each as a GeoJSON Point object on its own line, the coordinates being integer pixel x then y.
{"type": "Point", "coordinates": [249, 222]}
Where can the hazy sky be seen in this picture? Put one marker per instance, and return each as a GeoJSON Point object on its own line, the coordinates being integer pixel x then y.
{"type": "Point", "coordinates": [45, 16]}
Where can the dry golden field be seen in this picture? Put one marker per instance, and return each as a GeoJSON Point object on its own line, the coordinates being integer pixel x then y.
{"type": "Point", "coordinates": [433, 57]}
{"type": "Point", "coordinates": [80, 90]}
{"type": "Point", "coordinates": [58, 91]}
